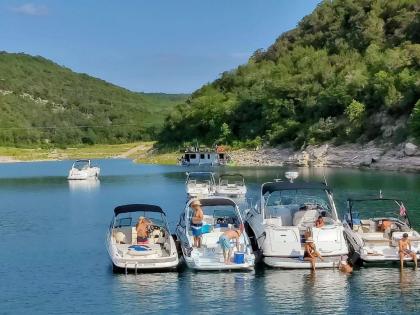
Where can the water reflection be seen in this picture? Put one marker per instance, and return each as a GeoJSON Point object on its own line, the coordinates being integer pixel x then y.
{"type": "Point", "coordinates": [305, 291]}
{"type": "Point", "coordinates": [88, 185]}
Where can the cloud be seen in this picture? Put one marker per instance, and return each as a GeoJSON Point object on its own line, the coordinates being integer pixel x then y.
{"type": "Point", "coordinates": [31, 9]}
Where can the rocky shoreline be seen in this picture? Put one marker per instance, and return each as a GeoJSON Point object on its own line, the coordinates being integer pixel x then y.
{"type": "Point", "coordinates": [403, 157]}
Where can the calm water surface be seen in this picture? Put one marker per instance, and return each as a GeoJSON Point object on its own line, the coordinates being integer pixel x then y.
{"type": "Point", "coordinates": [53, 258]}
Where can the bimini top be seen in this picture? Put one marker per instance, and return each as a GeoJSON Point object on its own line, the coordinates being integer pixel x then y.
{"type": "Point", "coordinates": [138, 207]}
{"type": "Point", "coordinates": [217, 201]}
{"type": "Point", "coordinates": [276, 186]}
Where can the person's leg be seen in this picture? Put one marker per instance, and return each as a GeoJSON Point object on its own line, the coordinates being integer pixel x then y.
{"type": "Point", "coordinates": [224, 255]}
{"type": "Point", "coordinates": [229, 255]}
{"type": "Point", "coordinates": [414, 256]}
{"type": "Point", "coordinates": [401, 260]}
{"type": "Point", "coordinates": [313, 260]}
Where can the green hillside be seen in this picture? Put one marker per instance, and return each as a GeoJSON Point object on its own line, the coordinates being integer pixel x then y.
{"type": "Point", "coordinates": [350, 71]}
{"type": "Point", "coordinates": [43, 103]}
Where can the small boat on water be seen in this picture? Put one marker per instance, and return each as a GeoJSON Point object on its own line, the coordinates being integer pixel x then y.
{"type": "Point", "coordinates": [204, 156]}
{"type": "Point", "coordinates": [285, 219]}
{"type": "Point", "coordinates": [231, 185]}
{"type": "Point", "coordinates": [374, 238]}
{"type": "Point", "coordinates": [220, 214]}
{"type": "Point", "coordinates": [200, 184]}
{"type": "Point", "coordinates": [158, 251]}
{"type": "Point", "coordinates": [82, 169]}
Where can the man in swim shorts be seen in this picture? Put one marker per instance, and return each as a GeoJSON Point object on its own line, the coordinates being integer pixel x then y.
{"type": "Point", "coordinates": [224, 241]}
{"type": "Point", "coordinates": [405, 250]}
{"type": "Point", "coordinates": [197, 222]}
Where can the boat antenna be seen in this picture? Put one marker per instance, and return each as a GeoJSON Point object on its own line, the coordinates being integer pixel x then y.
{"type": "Point", "coordinates": [325, 176]}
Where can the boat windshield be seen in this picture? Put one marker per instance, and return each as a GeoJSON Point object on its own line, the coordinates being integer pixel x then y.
{"type": "Point", "coordinates": [296, 200]}
{"type": "Point", "coordinates": [219, 215]}
{"type": "Point", "coordinates": [131, 218]}
{"type": "Point", "coordinates": [227, 179]}
{"type": "Point", "coordinates": [81, 165]}
{"type": "Point", "coordinates": [379, 208]}
{"type": "Point", "coordinates": [205, 178]}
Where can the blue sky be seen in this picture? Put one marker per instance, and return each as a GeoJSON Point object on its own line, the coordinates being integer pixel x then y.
{"type": "Point", "coordinates": [171, 46]}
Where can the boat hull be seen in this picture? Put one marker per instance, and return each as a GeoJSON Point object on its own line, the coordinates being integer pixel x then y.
{"type": "Point", "coordinates": [297, 263]}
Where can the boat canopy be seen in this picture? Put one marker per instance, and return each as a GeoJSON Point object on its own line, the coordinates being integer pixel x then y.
{"type": "Point", "coordinates": [217, 202]}
{"type": "Point", "coordinates": [276, 186]}
{"type": "Point", "coordinates": [137, 208]}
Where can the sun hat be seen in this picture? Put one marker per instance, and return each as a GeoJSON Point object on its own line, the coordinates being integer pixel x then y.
{"type": "Point", "coordinates": [196, 203]}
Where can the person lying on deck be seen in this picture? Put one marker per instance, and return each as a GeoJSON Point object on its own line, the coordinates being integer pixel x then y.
{"type": "Point", "coordinates": [224, 241]}
{"type": "Point", "coordinates": [142, 228]}
{"type": "Point", "coordinates": [311, 253]}
{"type": "Point", "coordinates": [404, 250]}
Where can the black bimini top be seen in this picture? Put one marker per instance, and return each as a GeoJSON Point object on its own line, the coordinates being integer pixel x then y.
{"type": "Point", "coordinates": [217, 202]}
{"type": "Point", "coordinates": [138, 207]}
{"type": "Point", "coordinates": [276, 186]}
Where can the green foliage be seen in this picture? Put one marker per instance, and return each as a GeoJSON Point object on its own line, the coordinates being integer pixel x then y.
{"type": "Point", "coordinates": [415, 120]}
{"type": "Point", "coordinates": [345, 62]}
{"type": "Point", "coordinates": [42, 103]}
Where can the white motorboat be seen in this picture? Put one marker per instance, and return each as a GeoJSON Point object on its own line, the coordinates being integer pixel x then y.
{"type": "Point", "coordinates": [82, 169]}
{"type": "Point", "coordinates": [200, 184]}
{"type": "Point", "coordinates": [220, 215]}
{"type": "Point", "coordinates": [157, 252]}
{"type": "Point", "coordinates": [231, 185]}
{"type": "Point", "coordinates": [286, 215]}
{"type": "Point", "coordinates": [373, 228]}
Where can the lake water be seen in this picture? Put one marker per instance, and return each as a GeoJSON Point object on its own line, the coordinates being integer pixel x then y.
{"type": "Point", "coordinates": [53, 257]}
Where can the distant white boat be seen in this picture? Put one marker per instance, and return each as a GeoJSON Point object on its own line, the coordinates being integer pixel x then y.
{"type": "Point", "coordinates": [158, 251]}
{"type": "Point", "coordinates": [199, 156]}
{"type": "Point", "coordinates": [231, 185]}
{"type": "Point", "coordinates": [200, 184]}
{"type": "Point", "coordinates": [82, 169]}
{"type": "Point", "coordinates": [220, 214]}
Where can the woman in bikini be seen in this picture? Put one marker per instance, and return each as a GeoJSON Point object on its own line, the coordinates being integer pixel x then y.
{"type": "Point", "coordinates": [311, 253]}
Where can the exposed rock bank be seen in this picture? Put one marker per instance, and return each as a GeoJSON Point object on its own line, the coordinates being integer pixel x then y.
{"type": "Point", "coordinates": [405, 157]}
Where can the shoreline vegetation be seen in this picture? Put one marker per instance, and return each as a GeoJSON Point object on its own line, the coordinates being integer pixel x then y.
{"type": "Point", "coordinates": [403, 157]}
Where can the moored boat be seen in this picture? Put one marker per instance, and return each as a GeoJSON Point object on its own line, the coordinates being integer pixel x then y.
{"type": "Point", "coordinates": [83, 169]}
{"type": "Point", "coordinates": [374, 238]}
{"type": "Point", "coordinates": [200, 184]}
{"type": "Point", "coordinates": [231, 185]}
{"type": "Point", "coordinates": [220, 215]}
{"type": "Point", "coordinates": [156, 251]}
{"type": "Point", "coordinates": [285, 219]}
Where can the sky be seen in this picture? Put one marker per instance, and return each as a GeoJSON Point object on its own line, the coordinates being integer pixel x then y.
{"type": "Point", "coordinates": [170, 46]}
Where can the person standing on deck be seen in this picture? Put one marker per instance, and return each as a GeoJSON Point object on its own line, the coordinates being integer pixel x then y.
{"type": "Point", "coordinates": [197, 222]}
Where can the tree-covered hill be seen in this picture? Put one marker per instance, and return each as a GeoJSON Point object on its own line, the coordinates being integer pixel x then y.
{"type": "Point", "coordinates": [43, 103]}
{"type": "Point", "coordinates": [350, 71]}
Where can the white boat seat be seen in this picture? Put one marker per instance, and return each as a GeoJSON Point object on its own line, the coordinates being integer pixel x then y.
{"type": "Point", "coordinates": [305, 217]}
{"type": "Point", "coordinates": [375, 237]}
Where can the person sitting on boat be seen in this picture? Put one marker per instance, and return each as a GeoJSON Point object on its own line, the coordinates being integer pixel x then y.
{"type": "Point", "coordinates": [142, 228]}
{"type": "Point", "coordinates": [405, 250]}
{"type": "Point", "coordinates": [224, 241]}
{"type": "Point", "coordinates": [311, 253]}
{"type": "Point", "coordinates": [319, 223]}
{"type": "Point", "coordinates": [197, 222]}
